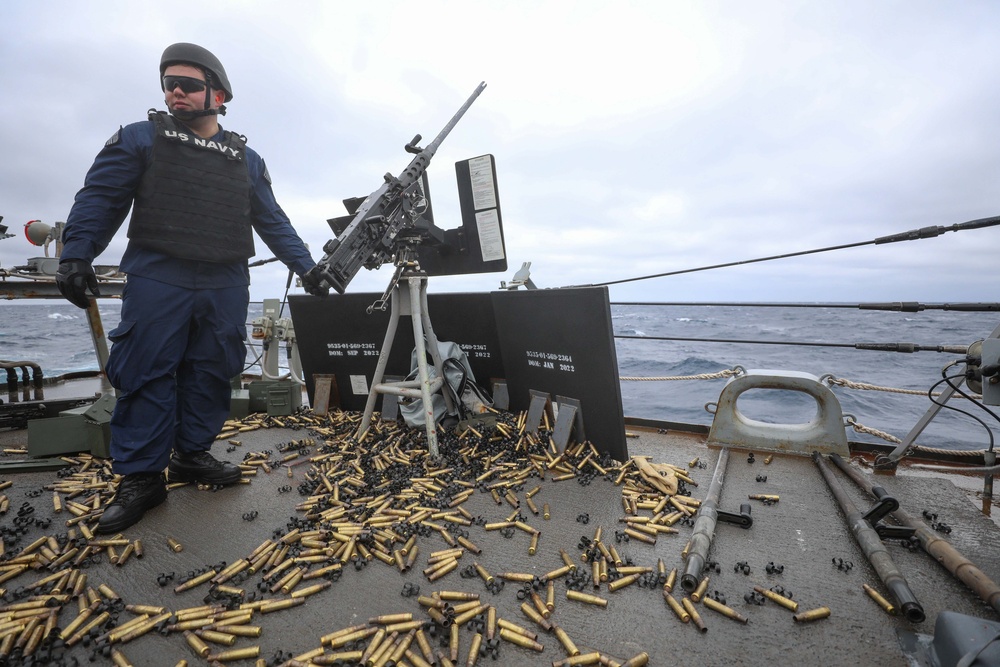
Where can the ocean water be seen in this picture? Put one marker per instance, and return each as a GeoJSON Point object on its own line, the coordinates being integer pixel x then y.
{"type": "Point", "coordinates": [55, 335]}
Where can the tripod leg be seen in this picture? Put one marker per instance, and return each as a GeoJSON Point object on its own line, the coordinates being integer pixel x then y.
{"type": "Point", "coordinates": [432, 342]}
{"type": "Point", "coordinates": [421, 349]}
{"type": "Point", "coordinates": [383, 360]}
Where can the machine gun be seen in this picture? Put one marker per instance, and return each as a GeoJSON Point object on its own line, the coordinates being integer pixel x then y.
{"type": "Point", "coordinates": [391, 214]}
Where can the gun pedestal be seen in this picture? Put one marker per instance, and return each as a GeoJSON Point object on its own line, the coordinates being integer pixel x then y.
{"type": "Point", "coordinates": [409, 299]}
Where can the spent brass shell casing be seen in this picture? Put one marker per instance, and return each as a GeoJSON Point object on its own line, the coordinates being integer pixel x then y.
{"type": "Point", "coordinates": [564, 639]}
{"type": "Point", "coordinates": [676, 607]}
{"type": "Point", "coordinates": [724, 610]}
{"type": "Point", "coordinates": [686, 550]}
{"type": "Point", "coordinates": [216, 637]}
{"type": "Point", "coordinates": [695, 616]}
{"type": "Point", "coordinates": [546, 514]}
{"type": "Point", "coordinates": [780, 599]}
{"type": "Point", "coordinates": [196, 643]}
{"type": "Point", "coordinates": [235, 654]}
{"type": "Point", "coordinates": [699, 592]}
{"type": "Point", "coordinates": [587, 598]}
{"type": "Point", "coordinates": [592, 658]}
{"type": "Point", "coordinates": [812, 615]}
{"type": "Point", "coordinates": [529, 610]}
{"type": "Point", "coordinates": [533, 546]}
{"type": "Point", "coordinates": [520, 640]}
{"type": "Point", "coordinates": [483, 574]}
{"type": "Point", "coordinates": [887, 606]}
{"type": "Point", "coordinates": [639, 660]}
{"type": "Point", "coordinates": [765, 496]}
{"type": "Point", "coordinates": [174, 545]}
{"type": "Point", "coordinates": [671, 580]}
{"type": "Point", "coordinates": [623, 582]}
{"type": "Point", "coordinates": [456, 596]}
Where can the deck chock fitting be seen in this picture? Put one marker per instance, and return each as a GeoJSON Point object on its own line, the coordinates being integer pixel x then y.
{"type": "Point", "coordinates": [824, 433]}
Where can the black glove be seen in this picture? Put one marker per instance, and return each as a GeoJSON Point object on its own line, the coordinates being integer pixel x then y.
{"type": "Point", "coordinates": [74, 278]}
{"type": "Point", "coordinates": [312, 282]}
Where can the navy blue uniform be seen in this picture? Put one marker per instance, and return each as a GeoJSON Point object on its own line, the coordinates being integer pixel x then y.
{"type": "Point", "coordinates": [183, 327]}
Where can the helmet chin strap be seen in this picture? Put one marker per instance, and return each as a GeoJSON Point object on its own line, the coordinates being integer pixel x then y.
{"type": "Point", "coordinates": [184, 114]}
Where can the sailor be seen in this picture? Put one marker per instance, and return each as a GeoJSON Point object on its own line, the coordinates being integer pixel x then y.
{"type": "Point", "coordinates": [196, 192]}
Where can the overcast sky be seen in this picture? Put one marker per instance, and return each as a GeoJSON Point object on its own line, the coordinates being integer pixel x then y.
{"type": "Point", "coordinates": [631, 138]}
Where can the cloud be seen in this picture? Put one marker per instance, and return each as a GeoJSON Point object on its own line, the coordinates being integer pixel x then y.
{"type": "Point", "coordinates": [631, 139]}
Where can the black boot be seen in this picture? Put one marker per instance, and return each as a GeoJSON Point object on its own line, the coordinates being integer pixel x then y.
{"type": "Point", "coordinates": [202, 467]}
{"type": "Point", "coordinates": [136, 493]}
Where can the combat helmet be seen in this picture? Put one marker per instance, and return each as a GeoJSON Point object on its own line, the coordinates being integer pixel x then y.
{"type": "Point", "coordinates": [192, 54]}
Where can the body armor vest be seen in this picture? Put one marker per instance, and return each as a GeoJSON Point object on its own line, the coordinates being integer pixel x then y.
{"type": "Point", "coordinates": [193, 200]}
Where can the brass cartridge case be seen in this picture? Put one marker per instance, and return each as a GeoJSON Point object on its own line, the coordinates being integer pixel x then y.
{"type": "Point", "coordinates": [695, 616]}
{"type": "Point", "coordinates": [235, 654]}
{"type": "Point", "coordinates": [347, 638]}
{"type": "Point", "coordinates": [533, 547]}
{"type": "Point", "coordinates": [724, 610]}
{"type": "Point", "coordinates": [623, 582]}
{"type": "Point", "coordinates": [520, 640]}
{"type": "Point", "coordinates": [521, 577]}
{"type": "Point", "coordinates": [676, 607]}
{"type": "Point", "coordinates": [812, 615]}
{"type": "Point", "coordinates": [529, 610]}
{"type": "Point", "coordinates": [196, 643]}
{"type": "Point", "coordinates": [591, 658]}
{"type": "Point", "coordinates": [567, 560]}
{"type": "Point", "coordinates": [386, 619]}
{"type": "Point", "coordinates": [584, 597]}
{"type": "Point", "coordinates": [469, 545]}
{"type": "Point", "coordinates": [483, 574]}
{"type": "Point", "coordinates": [311, 590]}
{"type": "Point", "coordinates": [699, 592]}
{"type": "Point", "coordinates": [887, 606]}
{"type": "Point", "coordinates": [764, 496]}
{"type": "Point", "coordinates": [477, 641]}
{"type": "Point", "coordinates": [216, 637]}
{"type": "Point", "coordinates": [174, 545]}
{"type": "Point", "coordinates": [686, 550]}
{"type": "Point", "coordinates": [642, 537]}
{"type": "Point", "coordinates": [197, 581]}
{"type": "Point", "coordinates": [238, 630]}
{"type": "Point", "coordinates": [453, 642]}
{"type": "Point", "coordinates": [546, 513]}
{"type": "Point", "coordinates": [441, 571]}
{"type": "Point", "coordinates": [671, 580]}
{"type": "Point", "coordinates": [456, 596]}
{"type": "Point", "coordinates": [637, 660]}
{"type": "Point", "coordinates": [564, 639]}
{"type": "Point", "coordinates": [119, 660]}
{"type": "Point", "coordinates": [780, 599]}
{"type": "Point", "coordinates": [278, 605]}
{"type": "Point", "coordinates": [504, 624]}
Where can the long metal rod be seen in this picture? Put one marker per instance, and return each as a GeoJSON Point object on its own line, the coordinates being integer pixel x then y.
{"type": "Point", "coordinates": [938, 548]}
{"type": "Point", "coordinates": [894, 306]}
{"type": "Point", "coordinates": [704, 527]}
{"type": "Point", "coordinates": [872, 547]}
{"type": "Point", "coordinates": [876, 347]}
{"type": "Point", "coordinates": [911, 235]}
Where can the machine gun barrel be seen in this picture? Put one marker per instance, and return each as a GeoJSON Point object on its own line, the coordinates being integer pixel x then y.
{"type": "Point", "coordinates": [937, 547]}
{"type": "Point", "coordinates": [704, 527]}
{"type": "Point", "coordinates": [871, 545]}
{"type": "Point", "coordinates": [369, 238]}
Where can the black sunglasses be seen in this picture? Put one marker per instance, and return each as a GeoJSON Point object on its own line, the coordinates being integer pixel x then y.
{"type": "Point", "coordinates": [188, 84]}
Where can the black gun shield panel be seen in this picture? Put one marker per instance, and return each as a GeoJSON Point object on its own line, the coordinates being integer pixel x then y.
{"type": "Point", "coordinates": [336, 336]}
{"type": "Point", "coordinates": [561, 342]}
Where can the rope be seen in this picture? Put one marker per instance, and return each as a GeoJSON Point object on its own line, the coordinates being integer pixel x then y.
{"type": "Point", "coordinates": [841, 382]}
{"type": "Point", "coordinates": [729, 372]}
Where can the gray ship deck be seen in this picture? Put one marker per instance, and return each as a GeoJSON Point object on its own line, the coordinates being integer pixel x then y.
{"type": "Point", "coordinates": [804, 533]}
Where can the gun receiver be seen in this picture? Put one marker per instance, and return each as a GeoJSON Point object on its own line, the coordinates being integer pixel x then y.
{"type": "Point", "coordinates": [369, 240]}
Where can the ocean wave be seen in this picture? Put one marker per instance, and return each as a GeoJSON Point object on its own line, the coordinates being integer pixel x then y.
{"type": "Point", "coordinates": [62, 316]}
